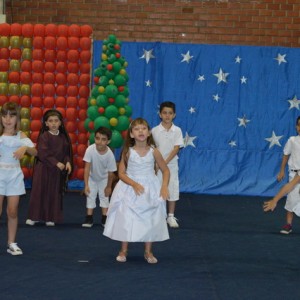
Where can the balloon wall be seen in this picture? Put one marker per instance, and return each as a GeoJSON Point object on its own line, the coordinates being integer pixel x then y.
{"type": "Point", "coordinates": [108, 103]}
{"type": "Point", "coordinates": [44, 67]}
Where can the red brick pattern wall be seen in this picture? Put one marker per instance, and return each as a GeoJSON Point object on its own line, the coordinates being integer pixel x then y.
{"type": "Point", "coordinates": [244, 22]}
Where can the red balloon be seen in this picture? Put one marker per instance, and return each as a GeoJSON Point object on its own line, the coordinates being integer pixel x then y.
{"type": "Point", "coordinates": [4, 53]}
{"type": "Point", "coordinates": [4, 29]}
{"type": "Point", "coordinates": [73, 67]}
{"type": "Point", "coordinates": [80, 127]}
{"type": "Point", "coordinates": [15, 53]}
{"type": "Point", "coordinates": [38, 66]}
{"type": "Point", "coordinates": [85, 43]}
{"type": "Point", "coordinates": [51, 30]}
{"type": "Point", "coordinates": [71, 114]}
{"type": "Point", "coordinates": [62, 43]}
{"type": "Point", "coordinates": [37, 78]}
{"type": "Point", "coordinates": [14, 98]}
{"type": "Point", "coordinates": [38, 42]}
{"type": "Point", "coordinates": [60, 101]}
{"type": "Point", "coordinates": [84, 91]}
{"type": "Point", "coordinates": [61, 67]}
{"type": "Point", "coordinates": [61, 56]}
{"type": "Point", "coordinates": [83, 103]}
{"type": "Point", "coordinates": [72, 102]}
{"type": "Point", "coordinates": [50, 55]}
{"type": "Point", "coordinates": [4, 65]}
{"type": "Point", "coordinates": [61, 90]}
{"type": "Point", "coordinates": [49, 77]}
{"type": "Point", "coordinates": [81, 149]}
{"type": "Point", "coordinates": [74, 148]}
{"type": "Point", "coordinates": [86, 30]}
{"type": "Point", "coordinates": [85, 68]}
{"type": "Point", "coordinates": [84, 79]}
{"type": "Point", "coordinates": [39, 30]}
{"type": "Point", "coordinates": [25, 101]}
{"type": "Point", "coordinates": [25, 77]}
{"type": "Point", "coordinates": [36, 113]}
{"type": "Point", "coordinates": [82, 138]}
{"type": "Point", "coordinates": [50, 42]}
{"type": "Point", "coordinates": [37, 89]}
{"type": "Point", "coordinates": [3, 99]}
{"type": "Point", "coordinates": [71, 126]}
{"type": "Point", "coordinates": [80, 173]}
{"type": "Point", "coordinates": [26, 66]}
{"type": "Point", "coordinates": [49, 102]}
{"type": "Point", "coordinates": [36, 101]}
{"type": "Point", "coordinates": [34, 136]}
{"type": "Point", "coordinates": [14, 77]}
{"type": "Point", "coordinates": [49, 66]}
{"type": "Point", "coordinates": [27, 30]}
{"type": "Point", "coordinates": [72, 79]}
{"type": "Point", "coordinates": [62, 30]}
{"type": "Point", "coordinates": [73, 137]}
{"type": "Point", "coordinates": [73, 56]}
{"type": "Point", "coordinates": [74, 30]}
{"type": "Point", "coordinates": [16, 29]}
{"type": "Point", "coordinates": [49, 90]}
{"type": "Point", "coordinates": [85, 56]}
{"type": "Point", "coordinates": [38, 54]}
{"type": "Point", "coordinates": [79, 162]}
{"type": "Point", "coordinates": [82, 114]}
{"type": "Point", "coordinates": [35, 125]}
{"type": "Point", "coordinates": [60, 78]}
{"type": "Point", "coordinates": [62, 111]}
{"type": "Point", "coordinates": [73, 42]}
{"type": "Point", "coordinates": [72, 90]}
{"type": "Point", "coordinates": [26, 172]}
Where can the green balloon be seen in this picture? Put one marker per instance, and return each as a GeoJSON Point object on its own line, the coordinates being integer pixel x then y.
{"type": "Point", "coordinates": [98, 72]}
{"type": "Point", "coordinates": [14, 65]}
{"type": "Point", "coordinates": [111, 58]}
{"type": "Point", "coordinates": [120, 80]}
{"type": "Point", "coordinates": [95, 91]}
{"type": "Point", "coordinates": [86, 125]}
{"type": "Point", "coordinates": [102, 101]}
{"type": "Point", "coordinates": [27, 42]}
{"type": "Point", "coordinates": [92, 112]}
{"type": "Point", "coordinates": [117, 66]}
{"type": "Point", "coordinates": [111, 91]}
{"type": "Point", "coordinates": [112, 38]}
{"type": "Point", "coordinates": [103, 65]}
{"type": "Point", "coordinates": [120, 101]}
{"type": "Point", "coordinates": [3, 77]}
{"type": "Point", "coordinates": [92, 138]}
{"type": "Point", "coordinates": [116, 139]}
{"type": "Point", "coordinates": [103, 81]}
{"type": "Point", "coordinates": [101, 122]}
{"type": "Point", "coordinates": [110, 74]}
{"type": "Point", "coordinates": [111, 111]}
{"type": "Point", "coordinates": [4, 42]}
{"type": "Point", "coordinates": [3, 88]}
{"type": "Point", "coordinates": [128, 110]}
{"type": "Point", "coordinates": [123, 123]}
{"type": "Point", "coordinates": [14, 89]}
{"type": "Point", "coordinates": [26, 54]}
{"type": "Point", "coordinates": [125, 92]}
{"type": "Point", "coordinates": [15, 42]}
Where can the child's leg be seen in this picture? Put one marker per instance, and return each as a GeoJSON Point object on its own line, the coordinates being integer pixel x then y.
{"type": "Point", "coordinates": [104, 215]}
{"type": "Point", "coordinates": [149, 257]}
{"type": "Point", "coordinates": [1, 204]}
{"type": "Point", "coordinates": [122, 257]}
{"type": "Point", "coordinates": [12, 217]}
{"type": "Point", "coordinates": [171, 207]}
{"type": "Point", "coordinates": [289, 217]}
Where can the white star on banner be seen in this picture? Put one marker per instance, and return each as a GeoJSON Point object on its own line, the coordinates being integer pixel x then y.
{"type": "Point", "coordinates": [188, 140]}
{"type": "Point", "coordinates": [280, 58]}
{"type": "Point", "coordinates": [192, 110]}
{"type": "Point", "coordinates": [294, 103]}
{"type": "Point", "coordinates": [186, 57]}
{"type": "Point", "coordinates": [238, 60]}
{"type": "Point", "coordinates": [201, 78]}
{"type": "Point", "coordinates": [232, 143]}
{"type": "Point", "coordinates": [221, 76]}
{"type": "Point", "coordinates": [147, 55]}
{"type": "Point", "coordinates": [243, 121]}
{"type": "Point", "coordinates": [274, 140]}
{"type": "Point", "coordinates": [216, 97]}
{"type": "Point", "coordinates": [243, 80]}
{"type": "Point", "coordinates": [148, 83]}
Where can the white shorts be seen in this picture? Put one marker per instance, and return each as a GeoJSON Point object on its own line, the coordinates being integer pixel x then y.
{"type": "Point", "coordinates": [12, 182]}
{"type": "Point", "coordinates": [97, 188]}
{"type": "Point", "coordinates": [173, 182]}
{"type": "Point", "coordinates": [293, 197]}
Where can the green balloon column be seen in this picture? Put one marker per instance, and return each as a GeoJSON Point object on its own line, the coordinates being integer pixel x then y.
{"type": "Point", "coordinates": [108, 103]}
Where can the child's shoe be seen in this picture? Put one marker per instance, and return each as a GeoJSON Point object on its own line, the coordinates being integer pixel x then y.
{"type": "Point", "coordinates": [88, 223]}
{"type": "Point", "coordinates": [50, 224]}
{"type": "Point", "coordinates": [172, 221]}
{"type": "Point", "coordinates": [13, 249]}
{"type": "Point", "coordinates": [286, 229]}
{"type": "Point", "coordinates": [103, 220]}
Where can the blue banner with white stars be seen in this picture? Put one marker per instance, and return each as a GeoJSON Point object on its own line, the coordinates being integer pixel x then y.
{"type": "Point", "coordinates": [236, 106]}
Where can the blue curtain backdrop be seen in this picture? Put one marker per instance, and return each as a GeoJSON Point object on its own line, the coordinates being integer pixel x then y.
{"type": "Point", "coordinates": [236, 106]}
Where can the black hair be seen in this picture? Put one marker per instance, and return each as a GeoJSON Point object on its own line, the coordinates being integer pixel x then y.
{"type": "Point", "coordinates": [168, 104]}
{"type": "Point", "coordinates": [104, 131]}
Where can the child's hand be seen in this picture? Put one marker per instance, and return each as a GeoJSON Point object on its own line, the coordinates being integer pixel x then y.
{"type": "Point", "coordinates": [68, 168]}
{"type": "Point", "coordinates": [280, 176]}
{"type": "Point", "coordinates": [138, 189]}
{"type": "Point", "coordinates": [164, 193]}
{"type": "Point", "coordinates": [19, 153]}
{"type": "Point", "coordinates": [86, 190]}
{"type": "Point", "coordinates": [61, 166]}
{"type": "Point", "coordinates": [107, 191]}
{"type": "Point", "coordinates": [269, 205]}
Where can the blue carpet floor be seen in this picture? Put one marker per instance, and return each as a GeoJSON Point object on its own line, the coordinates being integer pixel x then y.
{"type": "Point", "coordinates": [225, 249]}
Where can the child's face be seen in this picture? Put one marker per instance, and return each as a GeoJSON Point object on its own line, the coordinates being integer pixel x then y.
{"type": "Point", "coordinates": [140, 132]}
{"type": "Point", "coordinates": [9, 121]}
{"type": "Point", "coordinates": [53, 123]}
{"type": "Point", "coordinates": [101, 141]}
{"type": "Point", "coordinates": [167, 115]}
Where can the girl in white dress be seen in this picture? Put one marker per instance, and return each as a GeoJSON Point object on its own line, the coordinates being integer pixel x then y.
{"type": "Point", "coordinates": [137, 211]}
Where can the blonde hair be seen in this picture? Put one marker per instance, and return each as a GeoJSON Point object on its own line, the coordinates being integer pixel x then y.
{"type": "Point", "coordinates": [130, 142]}
{"type": "Point", "coordinates": [10, 108]}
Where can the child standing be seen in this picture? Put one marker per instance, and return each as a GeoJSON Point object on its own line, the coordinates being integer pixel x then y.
{"type": "Point", "coordinates": [100, 165]}
{"type": "Point", "coordinates": [52, 166]}
{"type": "Point", "coordinates": [292, 157]}
{"type": "Point", "coordinates": [137, 210]}
{"type": "Point", "coordinates": [13, 145]}
{"type": "Point", "coordinates": [169, 140]}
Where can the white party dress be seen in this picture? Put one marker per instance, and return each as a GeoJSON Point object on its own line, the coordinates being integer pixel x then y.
{"type": "Point", "coordinates": [137, 218]}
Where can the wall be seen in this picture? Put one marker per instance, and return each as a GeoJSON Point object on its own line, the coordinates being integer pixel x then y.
{"type": "Point", "coordinates": [244, 22]}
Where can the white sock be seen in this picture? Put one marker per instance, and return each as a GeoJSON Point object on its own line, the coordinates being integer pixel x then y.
{"type": "Point", "coordinates": [170, 215]}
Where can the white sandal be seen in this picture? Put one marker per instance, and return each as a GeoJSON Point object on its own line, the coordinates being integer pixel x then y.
{"type": "Point", "coordinates": [122, 256]}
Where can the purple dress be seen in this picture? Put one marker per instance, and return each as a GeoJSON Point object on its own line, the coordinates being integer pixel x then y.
{"type": "Point", "coordinates": [46, 194]}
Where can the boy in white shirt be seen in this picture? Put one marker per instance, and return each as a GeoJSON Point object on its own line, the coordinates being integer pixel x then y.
{"type": "Point", "coordinates": [100, 165]}
{"type": "Point", "coordinates": [168, 139]}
